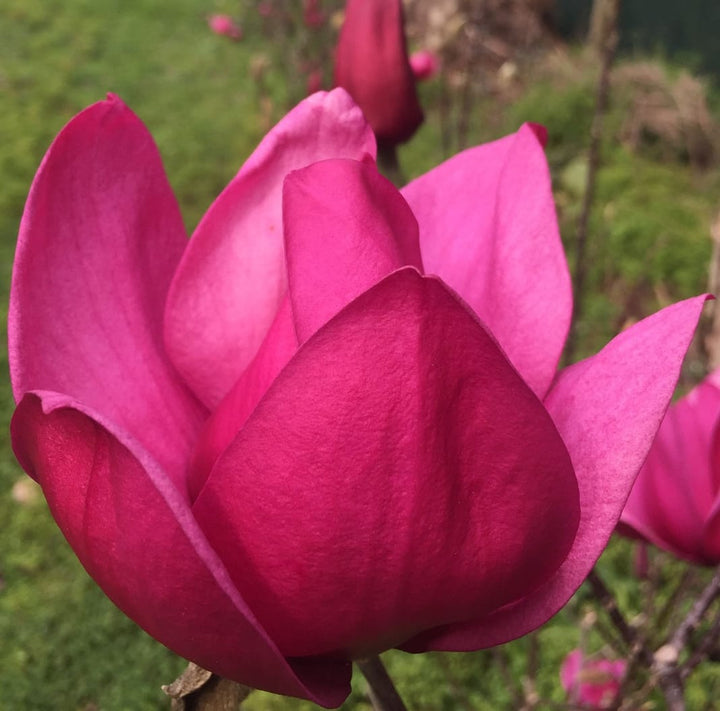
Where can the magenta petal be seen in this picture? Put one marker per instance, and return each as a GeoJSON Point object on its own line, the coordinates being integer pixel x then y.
{"type": "Point", "coordinates": [607, 409]}
{"type": "Point", "coordinates": [488, 229]}
{"type": "Point", "coordinates": [398, 475]}
{"type": "Point", "coordinates": [137, 538]}
{"type": "Point", "coordinates": [346, 228]}
{"type": "Point", "coordinates": [232, 278]}
{"type": "Point", "coordinates": [99, 241]}
{"type": "Point", "coordinates": [674, 493]}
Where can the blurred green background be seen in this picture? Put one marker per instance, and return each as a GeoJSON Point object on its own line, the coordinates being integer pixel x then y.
{"type": "Point", "coordinates": [208, 101]}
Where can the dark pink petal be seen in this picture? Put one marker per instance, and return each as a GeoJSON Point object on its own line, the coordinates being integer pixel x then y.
{"type": "Point", "coordinates": [232, 278]}
{"type": "Point", "coordinates": [346, 228]}
{"type": "Point", "coordinates": [488, 229]}
{"type": "Point", "coordinates": [137, 538]}
{"type": "Point", "coordinates": [607, 409]}
{"type": "Point", "coordinates": [675, 492]}
{"type": "Point", "coordinates": [371, 62]}
{"type": "Point", "coordinates": [398, 475]}
{"type": "Point", "coordinates": [100, 238]}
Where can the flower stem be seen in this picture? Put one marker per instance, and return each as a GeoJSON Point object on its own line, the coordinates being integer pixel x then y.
{"type": "Point", "coordinates": [383, 693]}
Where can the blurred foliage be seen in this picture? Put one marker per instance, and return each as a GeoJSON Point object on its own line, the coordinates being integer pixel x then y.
{"type": "Point", "coordinates": [208, 101]}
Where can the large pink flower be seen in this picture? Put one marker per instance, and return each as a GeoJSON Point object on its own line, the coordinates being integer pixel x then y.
{"type": "Point", "coordinates": [675, 502]}
{"type": "Point", "coordinates": [371, 62]}
{"type": "Point", "coordinates": [331, 423]}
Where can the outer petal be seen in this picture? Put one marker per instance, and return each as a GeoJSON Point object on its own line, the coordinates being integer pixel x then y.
{"type": "Point", "coordinates": [607, 409]}
{"type": "Point", "coordinates": [674, 492]}
{"type": "Point", "coordinates": [488, 229]}
{"type": "Point", "coordinates": [137, 538]}
{"type": "Point", "coordinates": [232, 278]}
{"type": "Point", "coordinates": [397, 475]}
{"type": "Point", "coordinates": [346, 228]}
{"type": "Point", "coordinates": [99, 241]}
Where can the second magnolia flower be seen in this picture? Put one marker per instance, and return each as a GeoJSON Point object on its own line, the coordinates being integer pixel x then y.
{"type": "Point", "coordinates": [331, 423]}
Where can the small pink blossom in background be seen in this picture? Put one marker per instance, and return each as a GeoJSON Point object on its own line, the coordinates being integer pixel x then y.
{"type": "Point", "coordinates": [239, 433]}
{"type": "Point", "coordinates": [224, 25]}
{"type": "Point", "coordinates": [313, 16]}
{"type": "Point", "coordinates": [675, 503]}
{"type": "Point", "coordinates": [593, 682]}
{"type": "Point", "coordinates": [265, 9]}
{"type": "Point", "coordinates": [314, 81]}
{"type": "Point", "coordinates": [371, 63]}
{"type": "Point", "coordinates": [424, 64]}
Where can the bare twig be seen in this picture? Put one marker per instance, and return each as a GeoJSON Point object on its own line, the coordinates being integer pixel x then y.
{"type": "Point", "coordinates": [608, 46]}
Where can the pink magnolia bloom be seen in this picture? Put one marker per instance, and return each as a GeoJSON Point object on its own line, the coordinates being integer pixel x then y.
{"type": "Point", "coordinates": [330, 423]}
{"type": "Point", "coordinates": [675, 503]}
{"type": "Point", "coordinates": [371, 62]}
{"type": "Point", "coordinates": [224, 25]}
{"type": "Point", "coordinates": [591, 682]}
{"type": "Point", "coordinates": [424, 64]}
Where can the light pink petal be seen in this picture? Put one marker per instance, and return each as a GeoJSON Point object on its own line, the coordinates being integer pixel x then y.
{"type": "Point", "coordinates": [136, 536]}
{"type": "Point", "coordinates": [674, 492]}
{"type": "Point", "coordinates": [232, 278]}
{"type": "Point", "coordinates": [488, 229]}
{"type": "Point", "coordinates": [100, 238]}
{"type": "Point", "coordinates": [346, 228]}
{"type": "Point", "coordinates": [711, 532]}
{"type": "Point", "coordinates": [397, 475]}
{"type": "Point", "coordinates": [231, 414]}
{"type": "Point", "coordinates": [607, 409]}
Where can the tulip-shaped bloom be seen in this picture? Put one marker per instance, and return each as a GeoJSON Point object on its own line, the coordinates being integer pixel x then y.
{"type": "Point", "coordinates": [371, 63]}
{"type": "Point", "coordinates": [594, 683]}
{"type": "Point", "coordinates": [331, 423]}
{"type": "Point", "coordinates": [675, 503]}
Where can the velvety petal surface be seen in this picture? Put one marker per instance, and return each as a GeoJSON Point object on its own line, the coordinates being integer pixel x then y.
{"type": "Point", "coordinates": [99, 241]}
{"type": "Point", "coordinates": [371, 62]}
{"type": "Point", "coordinates": [232, 278]}
{"type": "Point", "coordinates": [488, 228]}
{"type": "Point", "coordinates": [675, 492]}
{"type": "Point", "coordinates": [607, 409]}
{"type": "Point", "coordinates": [397, 475]}
{"type": "Point", "coordinates": [346, 228]}
{"type": "Point", "coordinates": [136, 537]}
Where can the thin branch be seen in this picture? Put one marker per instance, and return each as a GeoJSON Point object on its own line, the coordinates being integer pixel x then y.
{"type": "Point", "coordinates": [608, 48]}
{"type": "Point", "coordinates": [383, 693]}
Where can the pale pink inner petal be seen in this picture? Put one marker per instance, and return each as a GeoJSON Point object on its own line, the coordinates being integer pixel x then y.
{"type": "Point", "coordinates": [232, 278]}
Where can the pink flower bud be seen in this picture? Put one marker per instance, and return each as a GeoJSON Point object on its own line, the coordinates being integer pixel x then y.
{"type": "Point", "coordinates": [224, 25]}
{"type": "Point", "coordinates": [424, 64]}
{"type": "Point", "coordinates": [372, 64]}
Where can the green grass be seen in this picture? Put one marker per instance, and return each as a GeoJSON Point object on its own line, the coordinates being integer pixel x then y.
{"type": "Point", "coordinates": [64, 646]}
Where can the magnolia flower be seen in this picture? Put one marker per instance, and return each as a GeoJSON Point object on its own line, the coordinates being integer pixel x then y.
{"type": "Point", "coordinates": [224, 25]}
{"type": "Point", "coordinates": [594, 683]}
{"type": "Point", "coordinates": [675, 502]}
{"type": "Point", "coordinates": [371, 62]}
{"type": "Point", "coordinates": [331, 423]}
{"type": "Point", "coordinates": [313, 16]}
{"type": "Point", "coordinates": [424, 64]}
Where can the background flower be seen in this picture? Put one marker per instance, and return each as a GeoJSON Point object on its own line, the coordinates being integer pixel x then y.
{"type": "Point", "coordinates": [675, 502]}
{"type": "Point", "coordinates": [593, 682]}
